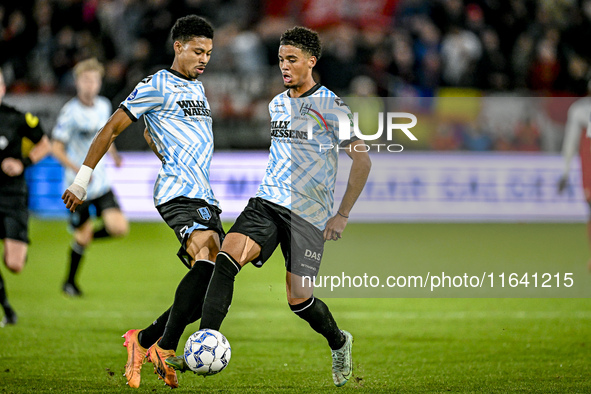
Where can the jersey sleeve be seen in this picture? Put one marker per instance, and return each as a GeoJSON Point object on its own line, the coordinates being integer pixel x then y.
{"type": "Point", "coordinates": [144, 98]}
{"type": "Point", "coordinates": [346, 136]}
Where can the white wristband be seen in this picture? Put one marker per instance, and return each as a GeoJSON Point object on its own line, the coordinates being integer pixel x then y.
{"type": "Point", "coordinates": [83, 177]}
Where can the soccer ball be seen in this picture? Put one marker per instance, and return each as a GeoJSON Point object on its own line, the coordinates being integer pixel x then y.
{"type": "Point", "coordinates": [207, 352]}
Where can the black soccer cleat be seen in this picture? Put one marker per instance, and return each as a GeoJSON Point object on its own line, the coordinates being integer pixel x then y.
{"type": "Point", "coordinates": [10, 318]}
{"type": "Point", "coordinates": [71, 290]}
{"type": "Point", "coordinates": [178, 363]}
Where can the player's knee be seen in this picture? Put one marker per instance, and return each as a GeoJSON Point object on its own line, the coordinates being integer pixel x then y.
{"type": "Point", "coordinates": [196, 250]}
{"type": "Point", "coordinates": [83, 239]}
{"type": "Point", "coordinates": [83, 235]}
{"type": "Point", "coordinates": [296, 300]}
{"type": "Point", "coordinates": [211, 255]}
{"type": "Point", "coordinates": [119, 229]}
{"type": "Point", "coordinates": [298, 289]}
{"type": "Point", "coordinates": [203, 245]}
{"type": "Point", "coordinates": [200, 253]}
{"type": "Point", "coordinates": [242, 248]}
{"type": "Point", "coordinates": [297, 295]}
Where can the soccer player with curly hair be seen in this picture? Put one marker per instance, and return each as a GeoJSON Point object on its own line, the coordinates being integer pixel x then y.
{"type": "Point", "coordinates": [293, 205]}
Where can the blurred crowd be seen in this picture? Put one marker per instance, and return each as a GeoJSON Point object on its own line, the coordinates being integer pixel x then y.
{"type": "Point", "coordinates": [388, 48]}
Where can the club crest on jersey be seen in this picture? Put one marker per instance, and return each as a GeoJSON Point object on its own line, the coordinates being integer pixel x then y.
{"type": "Point", "coordinates": [305, 109]}
{"type": "Point", "coordinates": [204, 213]}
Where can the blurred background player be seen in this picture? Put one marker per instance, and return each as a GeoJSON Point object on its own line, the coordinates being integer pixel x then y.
{"type": "Point", "coordinates": [14, 211]}
{"type": "Point", "coordinates": [293, 205]}
{"type": "Point", "coordinates": [76, 126]}
{"type": "Point", "coordinates": [576, 138]}
{"type": "Point", "coordinates": [179, 130]}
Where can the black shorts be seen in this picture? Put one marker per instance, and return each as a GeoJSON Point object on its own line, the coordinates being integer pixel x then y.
{"type": "Point", "coordinates": [14, 218]}
{"type": "Point", "coordinates": [185, 215]}
{"type": "Point", "coordinates": [270, 225]}
{"type": "Point", "coordinates": [93, 208]}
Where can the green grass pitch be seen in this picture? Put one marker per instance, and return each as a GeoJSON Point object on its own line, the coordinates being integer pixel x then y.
{"type": "Point", "coordinates": [492, 345]}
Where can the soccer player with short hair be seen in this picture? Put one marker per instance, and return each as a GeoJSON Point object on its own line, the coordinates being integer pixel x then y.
{"type": "Point", "coordinates": [14, 210]}
{"type": "Point", "coordinates": [179, 128]}
{"type": "Point", "coordinates": [293, 205]}
{"type": "Point", "coordinates": [78, 121]}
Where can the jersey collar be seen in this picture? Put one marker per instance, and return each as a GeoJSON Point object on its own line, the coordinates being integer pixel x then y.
{"type": "Point", "coordinates": [310, 92]}
{"type": "Point", "coordinates": [178, 74]}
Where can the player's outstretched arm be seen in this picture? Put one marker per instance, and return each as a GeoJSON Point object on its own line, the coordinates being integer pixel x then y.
{"type": "Point", "coordinates": [76, 192]}
{"type": "Point", "coordinates": [102, 141]}
{"type": "Point", "coordinates": [357, 179]}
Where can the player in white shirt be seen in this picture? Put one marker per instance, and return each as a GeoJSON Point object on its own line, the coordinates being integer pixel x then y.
{"type": "Point", "coordinates": [77, 123]}
{"type": "Point", "coordinates": [179, 130]}
{"type": "Point", "coordinates": [577, 137]}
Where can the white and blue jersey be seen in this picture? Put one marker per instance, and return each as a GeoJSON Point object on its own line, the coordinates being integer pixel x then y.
{"type": "Point", "coordinates": [303, 158]}
{"type": "Point", "coordinates": [178, 118]}
{"type": "Point", "coordinates": [76, 127]}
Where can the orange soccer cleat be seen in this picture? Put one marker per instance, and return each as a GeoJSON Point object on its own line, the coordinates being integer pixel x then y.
{"type": "Point", "coordinates": [136, 356]}
{"type": "Point", "coordinates": [157, 356]}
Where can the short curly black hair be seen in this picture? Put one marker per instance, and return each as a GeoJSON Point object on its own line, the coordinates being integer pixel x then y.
{"type": "Point", "coordinates": [303, 38]}
{"type": "Point", "coordinates": [190, 26]}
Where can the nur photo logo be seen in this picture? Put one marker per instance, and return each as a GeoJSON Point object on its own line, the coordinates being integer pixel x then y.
{"type": "Point", "coordinates": [348, 126]}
